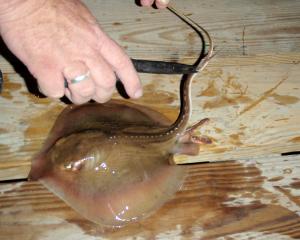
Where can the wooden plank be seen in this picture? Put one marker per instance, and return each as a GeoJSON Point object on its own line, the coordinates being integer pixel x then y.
{"type": "Point", "coordinates": [255, 199]}
{"type": "Point", "coordinates": [239, 27]}
{"type": "Point", "coordinates": [249, 116]}
{"type": "Point", "coordinates": [250, 90]}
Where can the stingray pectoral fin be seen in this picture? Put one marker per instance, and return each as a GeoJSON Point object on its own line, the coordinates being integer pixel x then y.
{"type": "Point", "coordinates": [107, 182]}
{"type": "Point", "coordinates": [39, 166]}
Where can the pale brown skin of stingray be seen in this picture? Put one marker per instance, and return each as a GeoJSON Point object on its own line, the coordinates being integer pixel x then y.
{"type": "Point", "coordinates": [111, 162]}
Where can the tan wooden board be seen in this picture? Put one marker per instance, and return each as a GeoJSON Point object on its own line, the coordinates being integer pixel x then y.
{"type": "Point", "coordinates": [249, 115]}
{"type": "Point", "coordinates": [250, 90]}
{"type": "Point", "coordinates": [255, 199]}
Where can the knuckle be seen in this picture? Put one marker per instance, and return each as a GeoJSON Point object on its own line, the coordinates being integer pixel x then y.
{"type": "Point", "coordinates": [103, 96]}
{"type": "Point", "coordinates": [108, 83]}
{"type": "Point", "coordinates": [55, 95]}
{"type": "Point", "coordinates": [87, 91]}
{"type": "Point", "coordinates": [102, 99]}
{"type": "Point", "coordinates": [79, 100]}
{"type": "Point", "coordinates": [82, 101]}
{"type": "Point", "coordinates": [123, 63]}
{"type": "Point", "coordinates": [52, 94]}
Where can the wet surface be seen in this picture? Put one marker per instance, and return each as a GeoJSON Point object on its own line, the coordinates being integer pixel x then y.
{"type": "Point", "coordinates": [109, 178]}
{"type": "Point", "coordinates": [250, 212]}
{"type": "Point", "coordinates": [295, 139]}
{"type": "Point", "coordinates": [216, 199]}
{"type": "Point", "coordinates": [9, 87]}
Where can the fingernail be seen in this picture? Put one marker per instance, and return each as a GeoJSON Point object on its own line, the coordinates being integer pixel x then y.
{"type": "Point", "coordinates": [138, 93]}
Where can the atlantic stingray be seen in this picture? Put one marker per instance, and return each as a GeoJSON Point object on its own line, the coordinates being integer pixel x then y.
{"type": "Point", "coordinates": [113, 162]}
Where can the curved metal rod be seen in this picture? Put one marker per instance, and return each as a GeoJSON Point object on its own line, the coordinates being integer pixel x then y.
{"type": "Point", "coordinates": [203, 61]}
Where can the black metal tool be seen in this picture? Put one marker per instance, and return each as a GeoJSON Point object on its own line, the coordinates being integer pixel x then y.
{"type": "Point", "coordinates": [161, 67]}
{"type": "Point", "coordinates": [149, 66]}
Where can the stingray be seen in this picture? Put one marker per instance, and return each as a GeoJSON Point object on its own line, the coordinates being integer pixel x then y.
{"type": "Point", "coordinates": [113, 162]}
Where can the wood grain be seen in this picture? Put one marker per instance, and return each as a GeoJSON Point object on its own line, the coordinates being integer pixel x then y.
{"type": "Point", "coordinates": [250, 91]}
{"type": "Point", "coordinates": [257, 199]}
{"type": "Point", "coordinates": [246, 122]}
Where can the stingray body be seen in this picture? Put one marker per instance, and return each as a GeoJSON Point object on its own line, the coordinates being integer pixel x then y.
{"type": "Point", "coordinates": [111, 162]}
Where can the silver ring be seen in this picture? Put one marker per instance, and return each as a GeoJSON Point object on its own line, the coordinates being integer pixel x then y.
{"type": "Point", "coordinates": [80, 78]}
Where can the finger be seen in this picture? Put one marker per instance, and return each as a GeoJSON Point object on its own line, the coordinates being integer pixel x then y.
{"type": "Point", "coordinates": [103, 95]}
{"type": "Point", "coordinates": [147, 3]}
{"type": "Point", "coordinates": [50, 79]}
{"type": "Point", "coordinates": [80, 81]}
{"type": "Point", "coordinates": [162, 3]}
{"type": "Point", "coordinates": [104, 78]}
{"type": "Point", "coordinates": [102, 72]}
{"type": "Point", "coordinates": [75, 98]}
{"type": "Point", "coordinates": [123, 67]}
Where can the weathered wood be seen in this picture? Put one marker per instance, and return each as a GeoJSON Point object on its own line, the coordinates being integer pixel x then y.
{"type": "Point", "coordinates": [254, 111]}
{"type": "Point", "coordinates": [257, 199]}
{"type": "Point", "coordinates": [250, 91]}
{"type": "Point", "coordinates": [252, 96]}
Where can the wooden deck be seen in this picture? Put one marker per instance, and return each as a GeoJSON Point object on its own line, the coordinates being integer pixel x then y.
{"type": "Point", "coordinates": [244, 188]}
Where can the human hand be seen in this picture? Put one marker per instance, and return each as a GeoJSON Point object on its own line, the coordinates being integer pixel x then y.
{"type": "Point", "coordinates": [158, 3]}
{"type": "Point", "coordinates": [60, 40]}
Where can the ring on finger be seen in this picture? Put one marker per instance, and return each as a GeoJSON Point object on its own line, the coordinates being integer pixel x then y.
{"type": "Point", "coordinates": [80, 78]}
